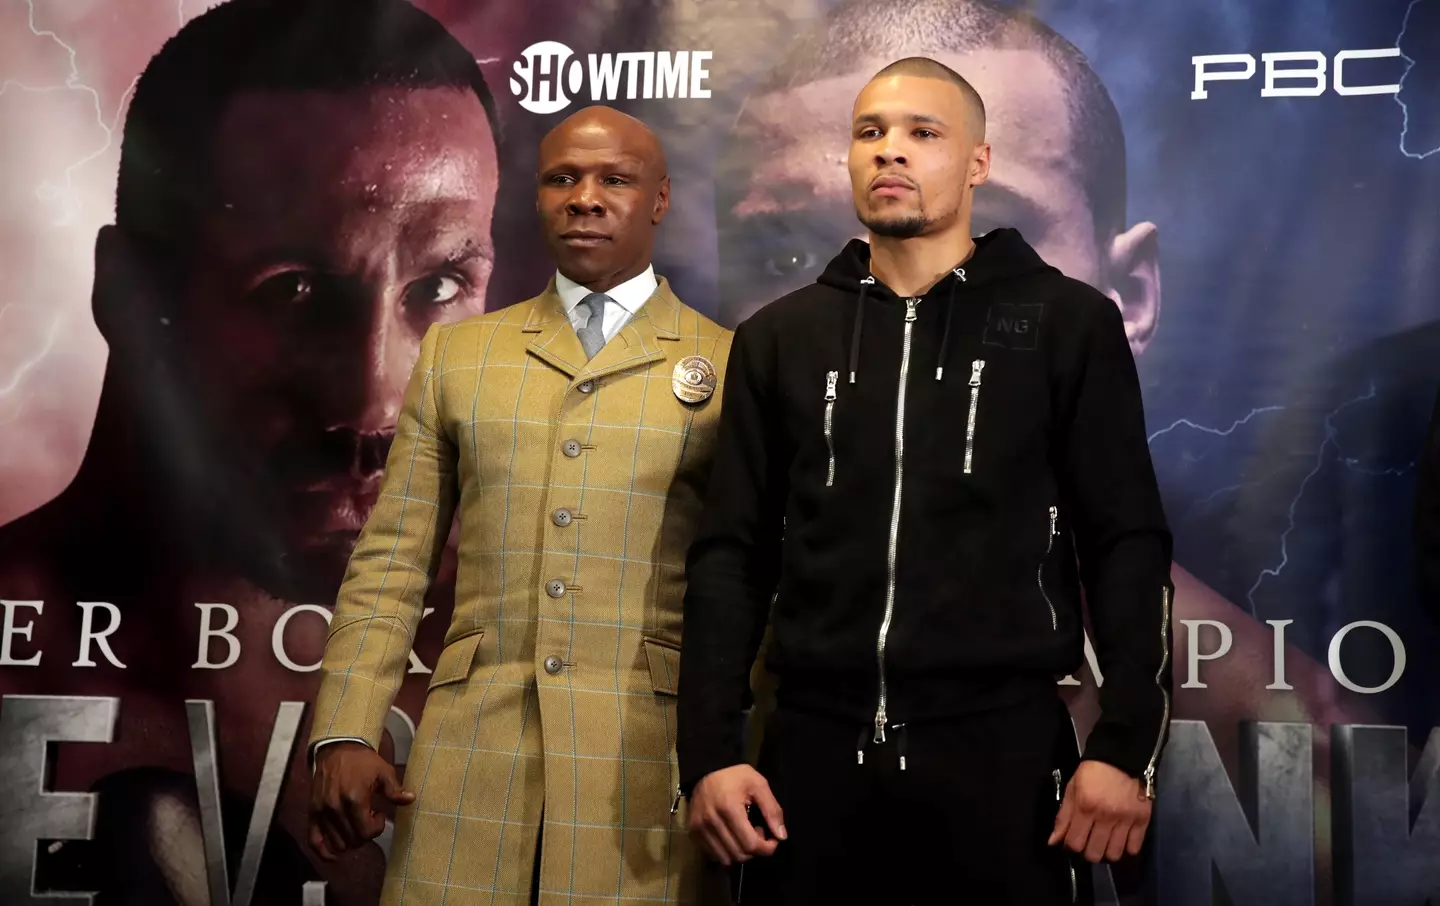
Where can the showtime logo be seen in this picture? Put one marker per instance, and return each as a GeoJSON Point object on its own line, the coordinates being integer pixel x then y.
{"type": "Point", "coordinates": [549, 75]}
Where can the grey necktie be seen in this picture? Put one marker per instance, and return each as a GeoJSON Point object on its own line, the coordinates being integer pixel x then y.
{"type": "Point", "coordinates": [592, 335]}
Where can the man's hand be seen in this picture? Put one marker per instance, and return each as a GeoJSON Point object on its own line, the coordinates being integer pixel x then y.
{"type": "Point", "coordinates": [1104, 815]}
{"type": "Point", "coordinates": [348, 778]}
{"type": "Point", "coordinates": [718, 819]}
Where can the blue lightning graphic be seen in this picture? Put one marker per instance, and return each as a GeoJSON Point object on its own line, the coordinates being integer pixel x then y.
{"type": "Point", "coordinates": [1331, 433]}
{"type": "Point", "coordinates": [1409, 65]}
{"type": "Point", "coordinates": [1218, 432]}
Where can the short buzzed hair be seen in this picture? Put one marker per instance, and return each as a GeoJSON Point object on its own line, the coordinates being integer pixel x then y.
{"type": "Point", "coordinates": [926, 68]}
{"type": "Point", "coordinates": [866, 29]}
{"type": "Point", "coordinates": [165, 180]}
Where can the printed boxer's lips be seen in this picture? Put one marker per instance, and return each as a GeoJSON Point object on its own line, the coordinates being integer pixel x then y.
{"type": "Point", "coordinates": [337, 506]}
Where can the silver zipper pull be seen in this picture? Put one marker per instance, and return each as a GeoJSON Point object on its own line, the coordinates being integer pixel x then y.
{"type": "Point", "coordinates": [910, 308]}
{"type": "Point", "coordinates": [880, 726]}
{"type": "Point", "coordinates": [831, 379]}
{"type": "Point", "coordinates": [1054, 518]}
{"type": "Point", "coordinates": [960, 272]}
{"type": "Point", "coordinates": [1150, 783]}
{"type": "Point", "coordinates": [976, 367]}
{"type": "Point", "coordinates": [675, 806]}
{"type": "Point", "coordinates": [1056, 774]}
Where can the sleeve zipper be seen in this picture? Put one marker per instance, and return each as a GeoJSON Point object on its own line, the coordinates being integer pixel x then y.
{"type": "Point", "coordinates": [831, 379]}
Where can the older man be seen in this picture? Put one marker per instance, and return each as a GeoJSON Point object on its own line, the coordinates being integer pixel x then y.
{"type": "Point", "coordinates": [572, 433]}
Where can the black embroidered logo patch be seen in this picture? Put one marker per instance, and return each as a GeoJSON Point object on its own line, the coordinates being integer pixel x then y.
{"type": "Point", "coordinates": [1012, 325]}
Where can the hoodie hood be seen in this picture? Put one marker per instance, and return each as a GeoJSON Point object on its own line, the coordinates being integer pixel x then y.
{"type": "Point", "coordinates": [999, 255]}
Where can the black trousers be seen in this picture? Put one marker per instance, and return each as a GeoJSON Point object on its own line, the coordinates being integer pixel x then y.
{"type": "Point", "coordinates": [965, 821]}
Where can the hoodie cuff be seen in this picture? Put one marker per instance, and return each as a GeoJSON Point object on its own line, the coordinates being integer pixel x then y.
{"type": "Point", "coordinates": [1125, 748]}
{"type": "Point", "coordinates": [696, 766]}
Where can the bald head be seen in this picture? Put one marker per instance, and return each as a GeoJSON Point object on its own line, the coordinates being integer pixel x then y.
{"type": "Point", "coordinates": [601, 190]}
{"type": "Point", "coordinates": [606, 124]}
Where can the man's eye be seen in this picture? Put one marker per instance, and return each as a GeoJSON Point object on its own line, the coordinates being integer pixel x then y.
{"type": "Point", "coordinates": [437, 290]}
{"type": "Point", "coordinates": [789, 262]}
{"type": "Point", "coordinates": [287, 289]}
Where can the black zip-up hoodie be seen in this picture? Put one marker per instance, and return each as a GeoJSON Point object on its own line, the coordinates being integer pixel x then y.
{"type": "Point", "coordinates": [922, 487]}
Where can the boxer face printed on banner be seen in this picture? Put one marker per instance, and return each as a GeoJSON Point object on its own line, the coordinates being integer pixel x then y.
{"type": "Point", "coordinates": [785, 194]}
{"type": "Point", "coordinates": [344, 224]}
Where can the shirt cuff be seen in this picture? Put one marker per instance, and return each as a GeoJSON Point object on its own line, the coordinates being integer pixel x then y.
{"type": "Point", "coordinates": [325, 742]}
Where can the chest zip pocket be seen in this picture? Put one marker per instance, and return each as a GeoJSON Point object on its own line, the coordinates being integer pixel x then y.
{"type": "Point", "coordinates": [976, 367]}
{"type": "Point", "coordinates": [831, 379]}
{"type": "Point", "coordinates": [1040, 571]}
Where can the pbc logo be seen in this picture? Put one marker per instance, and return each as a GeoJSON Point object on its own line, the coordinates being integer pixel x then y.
{"type": "Point", "coordinates": [1303, 72]}
{"type": "Point", "coordinates": [549, 75]}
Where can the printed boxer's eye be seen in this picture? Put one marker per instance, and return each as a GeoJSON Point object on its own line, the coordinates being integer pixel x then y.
{"type": "Point", "coordinates": [789, 262]}
{"type": "Point", "coordinates": [282, 290]}
{"type": "Point", "coordinates": [435, 290]}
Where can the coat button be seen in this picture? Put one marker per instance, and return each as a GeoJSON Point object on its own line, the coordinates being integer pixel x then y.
{"type": "Point", "coordinates": [571, 448]}
{"type": "Point", "coordinates": [553, 665]}
{"type": "Point", "coordinates": [586, 386]}
{"type": "Point", "coordinates": [562, 517]}
{"type": "Point", "coordinates": [555, 588]}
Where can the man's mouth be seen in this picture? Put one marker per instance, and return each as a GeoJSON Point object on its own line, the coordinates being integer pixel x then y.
{"type": "Point", "coordinates": [583, 238]}
{"type": "Point", "coordinates": [891, 186]}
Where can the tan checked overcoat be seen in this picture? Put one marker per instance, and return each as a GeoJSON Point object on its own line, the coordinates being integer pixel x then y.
{"type": "Point", "coordinates": [578, 486]}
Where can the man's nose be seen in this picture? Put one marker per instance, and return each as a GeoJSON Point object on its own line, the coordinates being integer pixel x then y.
{"type": "Point", "coordinates": [366, 368]}
{"type": "Point", "coordinates": [586, 199]}
{"type": "Point", "coordinates": [890, 151]}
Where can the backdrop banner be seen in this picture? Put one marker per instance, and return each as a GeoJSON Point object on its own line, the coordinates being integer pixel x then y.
{"type": "Point", "coordinates": [219, 259]}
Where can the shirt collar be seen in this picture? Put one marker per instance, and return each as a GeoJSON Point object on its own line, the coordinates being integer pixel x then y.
{"type": "Point", "coordinates": [630, 295]}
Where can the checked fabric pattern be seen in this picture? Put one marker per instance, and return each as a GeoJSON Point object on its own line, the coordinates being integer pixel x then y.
{"type": "Point", "coordinates": [507, 422]}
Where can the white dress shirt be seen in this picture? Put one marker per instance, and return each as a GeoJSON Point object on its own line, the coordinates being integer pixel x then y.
{"type": "Point", "coordinates": [628, 297]}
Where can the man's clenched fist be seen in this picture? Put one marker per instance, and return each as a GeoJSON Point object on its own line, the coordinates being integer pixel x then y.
{"type": "Point", "coordinates": [349, 776]}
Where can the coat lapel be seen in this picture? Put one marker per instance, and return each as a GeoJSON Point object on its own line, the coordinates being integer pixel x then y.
{"type": "Point", "coordinates": [640, 342]}
{"type": "Point", "coordinates": [554, 339]}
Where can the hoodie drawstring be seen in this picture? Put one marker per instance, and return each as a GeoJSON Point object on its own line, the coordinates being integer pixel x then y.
{"type": "Point", "coordinates": [865, 285]}
{"type": "Point", "coordinates": [869, 281]}
{"type": "Point", "coordinates": [949, 315]}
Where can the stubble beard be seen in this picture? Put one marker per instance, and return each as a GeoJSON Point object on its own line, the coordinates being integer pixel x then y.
{"type": "Point", "coordinates": [896, 226]}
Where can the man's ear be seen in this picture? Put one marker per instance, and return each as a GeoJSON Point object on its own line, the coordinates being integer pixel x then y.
{"type": "Point", "coordinates": [662, 201]}
{"type": "Point", "coordinates": [1132, 275]}
{"type": "Point", "coordinates": [980, 165]}
{"type": "Point", "coordinates": [130, 298]}
{"type": "Point", "coordinates": [114, 277]}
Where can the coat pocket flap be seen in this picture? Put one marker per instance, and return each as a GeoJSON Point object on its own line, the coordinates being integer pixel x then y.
{"type": "Point", "coordinates": [455, 661]}
{"type": "Point", "coordinates": [664, 660]}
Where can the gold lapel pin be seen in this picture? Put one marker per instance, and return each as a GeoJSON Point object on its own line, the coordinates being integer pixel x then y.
{"type": "Point", "coordinates": [693, 379]}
